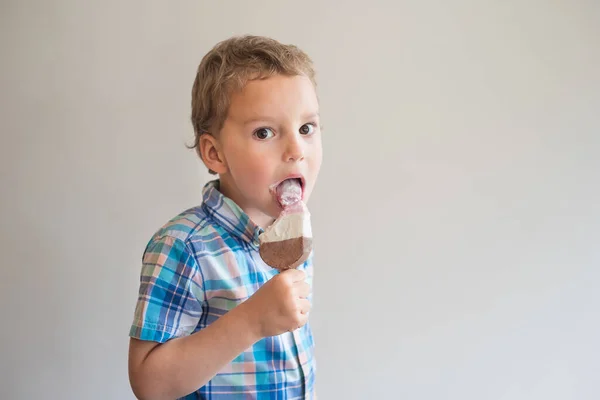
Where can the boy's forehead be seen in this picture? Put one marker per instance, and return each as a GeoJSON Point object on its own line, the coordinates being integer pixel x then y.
{"type": "Point", "coordinates": [272, 97]}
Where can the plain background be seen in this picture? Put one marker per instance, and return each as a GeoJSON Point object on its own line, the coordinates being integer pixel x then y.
{"type": "Point", "coordinates": [456, 219]}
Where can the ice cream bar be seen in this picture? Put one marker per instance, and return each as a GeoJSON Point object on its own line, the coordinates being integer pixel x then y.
{"type": "Point", "coordinates": [287, 243]}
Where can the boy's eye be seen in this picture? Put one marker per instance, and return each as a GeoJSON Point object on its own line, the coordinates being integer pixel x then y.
{"type": "Point", "coordinates": [263, 133]}
{"type": "Point", "coordinates": [307, 129]}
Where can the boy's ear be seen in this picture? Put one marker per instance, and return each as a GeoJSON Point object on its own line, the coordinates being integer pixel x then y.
{"type": "Point", "coordinates": [210, 152]}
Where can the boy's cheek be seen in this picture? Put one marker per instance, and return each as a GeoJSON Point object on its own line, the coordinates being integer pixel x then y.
{"type": "Point", "coordinates": [250, 170]}
{"type": "Point", "coordinates": [255, 181]}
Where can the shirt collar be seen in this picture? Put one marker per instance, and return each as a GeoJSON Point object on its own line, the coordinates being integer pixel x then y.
{"type": "Point", "coordinates": [229, 215]}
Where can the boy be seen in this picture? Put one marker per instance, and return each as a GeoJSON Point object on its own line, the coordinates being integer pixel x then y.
{"type": "Point", "coordinates": [212, 320]}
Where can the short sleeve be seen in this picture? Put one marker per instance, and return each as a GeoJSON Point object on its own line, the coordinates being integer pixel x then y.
{"type": "Point", "coordinates": [170, 294]}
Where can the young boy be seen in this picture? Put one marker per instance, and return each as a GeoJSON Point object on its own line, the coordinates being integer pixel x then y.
{"type": "Point", "coordinates": [212, 320]}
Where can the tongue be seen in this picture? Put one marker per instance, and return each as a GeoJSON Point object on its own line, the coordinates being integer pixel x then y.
{"type": "Point", "coordinates": [289, 192]}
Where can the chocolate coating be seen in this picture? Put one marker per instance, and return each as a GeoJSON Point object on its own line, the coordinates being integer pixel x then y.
{"type": "Point", "coordinates": [286, 254]}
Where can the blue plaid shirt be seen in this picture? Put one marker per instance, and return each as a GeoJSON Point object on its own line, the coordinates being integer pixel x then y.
{"type": "Point", "coordinates": [197, 267]}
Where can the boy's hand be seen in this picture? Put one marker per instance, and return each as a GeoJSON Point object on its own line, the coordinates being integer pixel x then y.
{"type": "Point", "coordinates": [280, 305]}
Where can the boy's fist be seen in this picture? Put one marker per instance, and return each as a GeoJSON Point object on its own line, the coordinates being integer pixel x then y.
{"type": "Point", "coordinates": [281, 304]}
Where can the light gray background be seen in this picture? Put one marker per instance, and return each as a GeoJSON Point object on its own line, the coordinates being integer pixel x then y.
{"type": "Point", "coordinates": [457, 216]}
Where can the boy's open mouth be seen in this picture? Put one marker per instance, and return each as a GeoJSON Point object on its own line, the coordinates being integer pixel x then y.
{"type": "Point", "coordinates": [288, 191]}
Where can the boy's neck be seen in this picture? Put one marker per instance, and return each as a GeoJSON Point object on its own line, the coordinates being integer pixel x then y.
{"type": "Point", "coordinates": [262, 220]}
{"type": "Point", "coordinates": [258, 217]}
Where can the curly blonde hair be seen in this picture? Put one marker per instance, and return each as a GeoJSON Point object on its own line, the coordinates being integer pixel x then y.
{"type": "Point", "coordinates": [228, 66]}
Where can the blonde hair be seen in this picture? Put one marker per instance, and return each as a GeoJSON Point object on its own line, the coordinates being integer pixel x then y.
{"type": "Point", "coordinates": [228, 66]}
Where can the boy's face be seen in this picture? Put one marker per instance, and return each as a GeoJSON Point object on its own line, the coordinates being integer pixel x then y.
{"type": "Point", "coordinates": [271, 133]}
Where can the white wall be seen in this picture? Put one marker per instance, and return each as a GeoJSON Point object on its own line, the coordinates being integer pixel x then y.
{"type": "Point", "coordinates": [457, 216]}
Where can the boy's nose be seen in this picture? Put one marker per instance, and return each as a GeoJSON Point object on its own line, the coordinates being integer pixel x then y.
{"type": "Point", "coordinates": [294, 149]}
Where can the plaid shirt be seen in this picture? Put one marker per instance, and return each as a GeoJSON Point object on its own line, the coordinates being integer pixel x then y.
{"type": "Point", "coordinates": [197, 267]}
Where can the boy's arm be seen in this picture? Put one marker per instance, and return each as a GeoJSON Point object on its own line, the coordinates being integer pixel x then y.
{"type": "Point", "coordinates": [182, 365]}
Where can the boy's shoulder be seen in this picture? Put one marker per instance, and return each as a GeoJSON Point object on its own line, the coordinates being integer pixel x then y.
{"type": "Point", "coordinates": [194, 232]}
{"type": "Point", "coordinates": [212, 226]}
{"type": "Point", "coordinates": [184, 226]}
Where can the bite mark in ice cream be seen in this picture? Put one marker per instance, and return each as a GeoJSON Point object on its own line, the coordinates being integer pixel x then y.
{"type": "Point", "coordinates": [287, 243]}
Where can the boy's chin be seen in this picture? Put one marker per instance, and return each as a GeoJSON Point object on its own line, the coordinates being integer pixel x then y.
{"type": "Point", "coordinates": [275, 211]}
{"type": "Point", "coordinates": [271, 210]}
